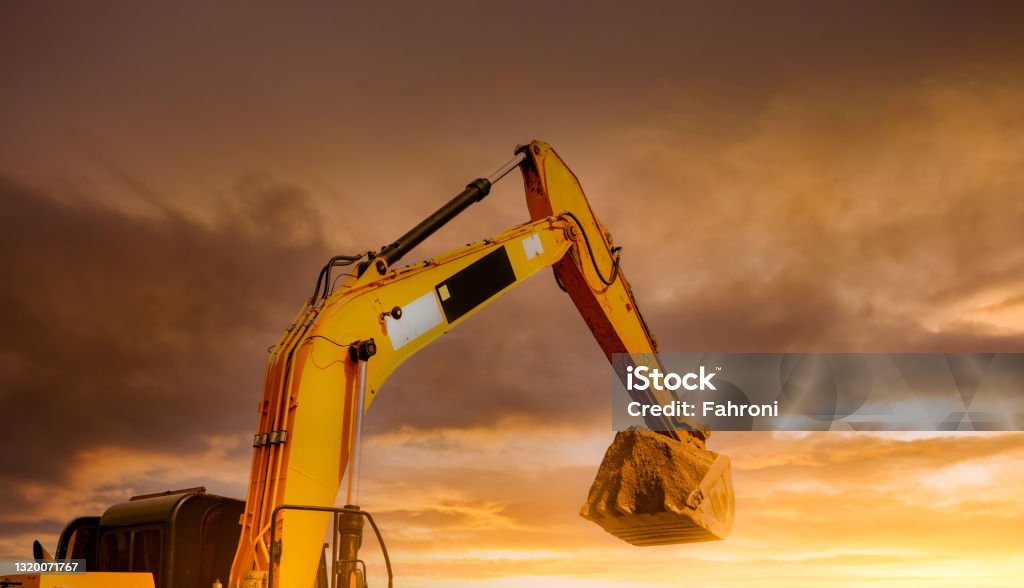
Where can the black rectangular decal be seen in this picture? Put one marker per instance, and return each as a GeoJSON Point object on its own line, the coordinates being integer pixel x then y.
{"type": "Point", "coordinates": [475, 284]}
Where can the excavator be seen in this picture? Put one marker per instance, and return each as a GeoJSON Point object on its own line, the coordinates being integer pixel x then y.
{"type": "Point", "coordinates": [326, 370]}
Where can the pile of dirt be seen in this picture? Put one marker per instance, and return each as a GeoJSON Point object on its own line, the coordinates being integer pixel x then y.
{"type": "Point", "coordinates": [644, 472]}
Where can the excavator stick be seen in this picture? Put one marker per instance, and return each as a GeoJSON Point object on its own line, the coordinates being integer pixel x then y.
{"type": "Point", "coordinates": [654, 487]}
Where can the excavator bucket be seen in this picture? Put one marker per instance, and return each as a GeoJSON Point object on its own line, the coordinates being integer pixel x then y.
{"type": "Point", "coordinates": [654, 490]}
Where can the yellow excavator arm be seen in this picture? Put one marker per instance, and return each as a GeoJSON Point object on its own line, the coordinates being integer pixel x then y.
{"type": "Point", "coordinates": [334, 358]}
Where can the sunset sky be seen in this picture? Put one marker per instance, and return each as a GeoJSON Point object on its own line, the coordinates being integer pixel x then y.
{"type": "Point", "coordinates": [782, 176]}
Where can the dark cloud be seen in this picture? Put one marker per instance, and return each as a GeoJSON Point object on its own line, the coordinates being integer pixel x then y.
{"type": "Point", "coordinates": [354, 82]}
{"type": "Point", "coordinates": [142, 331]}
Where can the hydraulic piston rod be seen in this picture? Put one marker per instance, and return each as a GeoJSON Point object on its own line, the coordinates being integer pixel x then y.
{"type": "Point", "coordinates": [474, 192]}
{"type": "Point", "coordinates": [355, 459]}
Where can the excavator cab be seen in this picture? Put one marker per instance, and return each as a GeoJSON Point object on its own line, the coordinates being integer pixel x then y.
{"type": "Point", "coordinates": [183, 538]}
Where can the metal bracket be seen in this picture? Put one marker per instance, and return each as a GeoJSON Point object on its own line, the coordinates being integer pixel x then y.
{"type": "Point", "coordinates": [362, 350]}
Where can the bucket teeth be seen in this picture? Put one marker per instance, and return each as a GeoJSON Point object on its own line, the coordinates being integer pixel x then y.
{"type": "Point", "coordinates": [654, 490]}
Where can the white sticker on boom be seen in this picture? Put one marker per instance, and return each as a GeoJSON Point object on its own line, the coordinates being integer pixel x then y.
{"type": "Point", "coordinates": [532, 246]}
{"type": "Point", "coordinates": [418, 317]}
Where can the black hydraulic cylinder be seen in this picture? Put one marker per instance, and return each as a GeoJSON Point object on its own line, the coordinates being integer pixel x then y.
{"type": "Point", "coordinates": [474, 192]}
